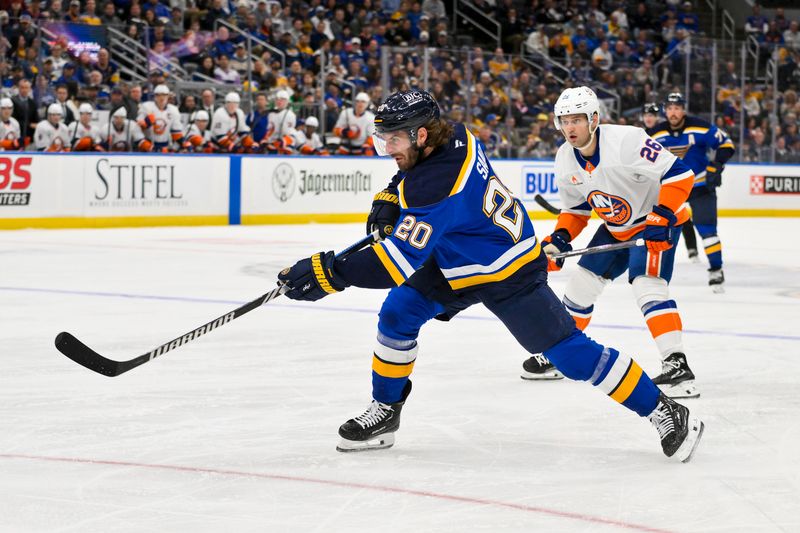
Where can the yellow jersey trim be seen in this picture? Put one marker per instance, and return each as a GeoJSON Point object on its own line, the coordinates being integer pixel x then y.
{"type": "Point", "coordinates": [501, 274]}
{"type": "Point", "coordinates": [387, 263]}
{"type": "Point", "coordinates": [466, 167]}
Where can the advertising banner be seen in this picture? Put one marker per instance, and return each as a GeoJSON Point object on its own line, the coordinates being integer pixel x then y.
{"type": "Point", "coordinates": [58, 190]}
{"type": "Point", "coordinates": [297, 189]}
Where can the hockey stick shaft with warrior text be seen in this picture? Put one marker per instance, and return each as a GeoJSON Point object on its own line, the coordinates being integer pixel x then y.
{"type": "Point", "coordinates": [70, 346]}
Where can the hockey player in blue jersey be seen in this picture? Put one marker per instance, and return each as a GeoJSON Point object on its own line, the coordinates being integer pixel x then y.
{"type": "Point", "coordinates": [477, 245]}
{"type": "Point", "coordinates": [691, 138]}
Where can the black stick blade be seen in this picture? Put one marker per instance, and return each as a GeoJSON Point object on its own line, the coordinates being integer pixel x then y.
{"type": "Point", "coordinates": [67, 344]}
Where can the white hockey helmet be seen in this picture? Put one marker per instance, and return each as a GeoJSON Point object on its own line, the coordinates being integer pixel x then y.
{"type": "Point", "coordinates": [6, 102]}
{"type": "Point", "coordinates": [362, 97]}
{"type": "Point", "coordinates": [574, 101]}
{"type": "Point", "coordinates": [55, 109]}
{"type": "Point", "coordinates": [120, 112]}
{"type": "Point", "coordinates": [282, 95]}
{"type": "Point", "coordinates": [313, 122]}
{"type": "Point", "coordinates": [232, 98]}
{"type": "Point", "coordinates": [161, 89]}
{"type": "Point", "coordinates": [201, 115]}
{"type": "Point", "coordinates": [85, 108]}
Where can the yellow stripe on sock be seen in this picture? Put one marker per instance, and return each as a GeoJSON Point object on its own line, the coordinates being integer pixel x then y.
{"type": "Point", "coordinates": [714, 248]}
{"type": "Point", "coordinates": [628, 383]}
{"type": "Point", "coordinates": [388, 370]}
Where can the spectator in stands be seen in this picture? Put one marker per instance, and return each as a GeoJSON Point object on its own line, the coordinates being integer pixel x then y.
{"type": "Point", "coordinates": [435, 9]}
{"type": "Point", "coordinates": [89, 15]}
{"type": "Point", "coordinates": [791, 37]}
{"type": "Point", "coordinates": [224, 73]}
{"type": "Point", "coordinates": [109, 16]}
{"type": "Point", "coordinates": [756, 24]}
{"type": "Point", "coordinates": [73, 13]}
{"type": "Point", "coordinates": [602, 60]}
{"type": "Point", "coordinates": [240, 61]}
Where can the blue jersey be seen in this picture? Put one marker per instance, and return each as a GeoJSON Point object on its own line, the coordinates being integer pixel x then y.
{"type": "Point", "coordinates": [692, 142]}
{"type": "Point", "coordinates": [457, 211]}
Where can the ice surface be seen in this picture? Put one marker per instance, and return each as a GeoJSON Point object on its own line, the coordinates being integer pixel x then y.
{"type": "Point", "coordinates": [237, 431]}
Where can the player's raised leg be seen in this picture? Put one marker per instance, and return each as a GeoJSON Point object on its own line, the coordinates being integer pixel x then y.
{"type": "Point", "coordinates": [580, 358]}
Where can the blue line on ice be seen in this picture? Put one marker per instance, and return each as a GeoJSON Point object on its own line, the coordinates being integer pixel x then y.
{"type": "Point", "coordinates": [189, 299]}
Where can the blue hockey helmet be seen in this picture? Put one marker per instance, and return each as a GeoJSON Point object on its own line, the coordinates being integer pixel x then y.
{"type": "Point", "coordinates": [675, 99]}
{"type": "Point", "coordinates": [406, 110]}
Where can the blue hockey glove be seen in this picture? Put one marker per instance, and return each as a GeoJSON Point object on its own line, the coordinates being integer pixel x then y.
{"type": "Point", "coordinates": [714, 175]}
{"type": "Point", "coordinates": [384, 213]}
{"type": "Point", "coordinates": [658, 231]}
{"type": "Point", "coordinates": [312, 279]}
{"type": "Point", "coordinates": [556, 242]}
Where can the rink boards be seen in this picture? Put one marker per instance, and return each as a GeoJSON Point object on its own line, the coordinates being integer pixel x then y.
{"type": "Point", "coordinates": [105, 190]}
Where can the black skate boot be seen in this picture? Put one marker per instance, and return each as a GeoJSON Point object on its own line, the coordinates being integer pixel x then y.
{"type": "Point", "coordinates": [374, 429]}
{"type": "Point", "coordinates": [678, 430]}
{"type": "Point", "coordinates": [539, 367]}
{"type": "Point", "coordinates": [716, 280]}
{"type": "Point", "coordinates": [677, 379]}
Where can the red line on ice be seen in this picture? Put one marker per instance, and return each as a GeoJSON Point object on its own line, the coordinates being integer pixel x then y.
{"type": "Point", "coordinates": [346, 484]}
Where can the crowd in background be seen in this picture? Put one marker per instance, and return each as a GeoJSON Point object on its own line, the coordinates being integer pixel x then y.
{"type": "Point", "coordinates": [332, 50]}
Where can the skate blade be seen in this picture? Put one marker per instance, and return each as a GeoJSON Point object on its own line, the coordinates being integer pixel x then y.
{"type": "Point", "coordinates": [376, 443]}
{"type": "Point", "coordinates": [694, 259]}
{"type": "Point", "coordinates": [718, 289]}
{"type": "Point", "coordinates": [550, 375]}
{"type": "Point", "coordinates": [684, 389]}
{"type": "Point", "coordinates": [689, 444]}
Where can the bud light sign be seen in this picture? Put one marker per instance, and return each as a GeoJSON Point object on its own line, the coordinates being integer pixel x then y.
{"type": "Point", "coordinates": [539, 178]}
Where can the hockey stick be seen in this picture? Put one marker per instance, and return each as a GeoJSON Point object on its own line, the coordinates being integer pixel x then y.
{"type": "Point", "coordinates": [599, 249]}
{"type": "Point", "coordinates": [547, 206]}
{"type": "Point", "coordinates": [70, 346]}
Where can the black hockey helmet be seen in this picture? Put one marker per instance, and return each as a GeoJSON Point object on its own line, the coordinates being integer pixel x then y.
{"type": "Point", "coordinates": [406, 110]}
{"type": "Point", "coordinates": [675, 99]}
{"type": "Point", "coordinates": [651, 108]}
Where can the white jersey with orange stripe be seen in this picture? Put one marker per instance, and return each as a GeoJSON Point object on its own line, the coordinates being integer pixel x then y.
{"type": "Point", "coordinates": [49, 138]}
{"type": "Point", "coordinates": [362, 127]}
{"type": "Point", "coordinates": [223, 124]}
{"type": "Point", "coordinates": [78, 131]}
{"type": "Point", "coordinates": [161, 125]}
{"type": "Point", "coordinates": [621, 182]}
{"type": "Point", "coordinates": [125, 139]}
{"type": "Point", "coordinates": [281, 123]}
{"type": "Point", "coordinates": [9, 131]}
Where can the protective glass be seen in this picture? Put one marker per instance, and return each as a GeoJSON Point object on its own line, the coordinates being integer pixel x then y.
{"type": "Point", "coordinates": [391, 141]}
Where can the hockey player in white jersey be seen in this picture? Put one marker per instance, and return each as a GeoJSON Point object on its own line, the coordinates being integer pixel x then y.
{"type": "Point", "coordinates": [282, 123]}
{"type": "Point", "coordinates": [84, 136]}
{"type": "Point", "coordinates": [638, 189]}
{"type": "Point", "coordinates": [198, 136]}
{"type": "Point", "coordinates": [161, 121]}
{"type": "Point", "coordinates": [229, 128]}
{"type": "Point", "coordinates": [355, 127]}
{"type": "Point", "coordinates": [124, 135]}
{"type": "Point", "coordinates": [10, 133]}
{"type": "Point", "coordinates": [51, 135]}
{"type": "Point", "coordinates": [308, 140]}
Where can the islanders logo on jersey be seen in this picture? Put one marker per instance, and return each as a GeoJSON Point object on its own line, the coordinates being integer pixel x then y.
{"type": "Point", "coordinates": [612, 209]}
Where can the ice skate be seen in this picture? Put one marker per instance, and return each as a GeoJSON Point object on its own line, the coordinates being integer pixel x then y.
{"type": "Point", "coordinates": [678, 430]}
{"type": "Point", "coordinates": [374, 429]}
{"type": "Point", "coordinates": [677, 379]}
{"type": "Point", "coordinates": [694, 256]}
{"type": "Point", "coordinates": [716, 280]}
{"type": "Point", "coordinates": [538, 367]}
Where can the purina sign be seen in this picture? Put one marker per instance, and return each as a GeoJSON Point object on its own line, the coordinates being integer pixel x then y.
{"type": "Point", "coordinates": [774, 184]}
